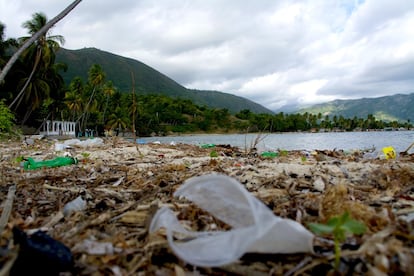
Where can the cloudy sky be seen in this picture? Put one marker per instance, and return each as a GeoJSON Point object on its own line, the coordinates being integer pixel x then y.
{"type": "Point", "coordinates": [272, 52]}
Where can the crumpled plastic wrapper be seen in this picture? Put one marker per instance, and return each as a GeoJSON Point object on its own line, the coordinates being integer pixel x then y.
{"type": "Point", "coordinates": [255, 229]}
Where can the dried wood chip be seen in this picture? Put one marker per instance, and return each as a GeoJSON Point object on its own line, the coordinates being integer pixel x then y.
{"type": "Point", "coordinates": [124, 184]}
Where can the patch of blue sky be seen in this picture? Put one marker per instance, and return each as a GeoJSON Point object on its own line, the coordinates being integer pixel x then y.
{"type": "Point", "coordinates": [351, 5]}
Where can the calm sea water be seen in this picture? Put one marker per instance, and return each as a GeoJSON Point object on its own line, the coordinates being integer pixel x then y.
{"type": "Point", "coordinates": [400, 140]}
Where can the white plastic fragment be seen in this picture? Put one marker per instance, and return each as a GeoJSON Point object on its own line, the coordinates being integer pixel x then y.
{"type": "Point", "coordinates": [28, 141]}
{"type": "Point", "coordinates": [255, 228]}
{"type": "Point", "coordinates": [118, 182]}
{"type": "Point", "coordinates": [84, 143]}
{"type": "Point", "coordinates": [93, 247]}
{"type": "Point", "coordinates": [78, 204]}
{"type": "Point", "coordinates": [319, 184]}
{"type": "Point", "coordinates": [67, 154]}
{"type": "Point", "coordinates": [61, 147]}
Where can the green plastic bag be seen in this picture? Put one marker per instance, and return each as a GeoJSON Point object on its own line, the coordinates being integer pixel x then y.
{"type": "Point", "coordinates": [269, 154]}
{"type": "Point", "coordinates": [207, 146]}
{"type": "Point", "coordinates": [31, 164]}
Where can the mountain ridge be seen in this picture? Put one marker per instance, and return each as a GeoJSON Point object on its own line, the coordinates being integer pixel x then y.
{"type": "Point", "coordinates": [148, 80]}
{"type": "Point", "coordinates": [118, 69]}
{"type": "Point", "coordinates": [398, 107]}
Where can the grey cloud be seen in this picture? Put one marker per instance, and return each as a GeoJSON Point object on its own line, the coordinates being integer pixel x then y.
{"type": "Point", "coordinates": [374, 15]}
{"type": "Point", "coordinates": [272, 52]}
{"type": "Point", "coordinates": [402, 71]}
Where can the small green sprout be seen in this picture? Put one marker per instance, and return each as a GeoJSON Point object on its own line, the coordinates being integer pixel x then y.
{"type": "Point", "coordinates": [85, 156]}
{"type": "Point", "coordinates": [213, 153]}
{"type": "Point", "coordinates": [339, 227]}
{"type": "Point", "coordinates": [19, 159]}
{"type": "Point", "coordinates": [283, 153]}
{"type": "Point", "coordinates": [303, 158]}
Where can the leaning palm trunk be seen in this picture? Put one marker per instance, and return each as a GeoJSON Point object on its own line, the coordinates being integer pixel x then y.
{"type": "Point", "coordinates": [104, 112]}
{"type": "Point", "coordinates": [29, 79]}
{"type": "Point", "coordinates": [35, 37]}
{"type": "Point", "coordinates": [27, 115]}
{"type": "Point", "coordinates": [85, 114]}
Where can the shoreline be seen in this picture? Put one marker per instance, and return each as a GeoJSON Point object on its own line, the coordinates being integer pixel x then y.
{"type": "Point", "coordinates": [268, 133]}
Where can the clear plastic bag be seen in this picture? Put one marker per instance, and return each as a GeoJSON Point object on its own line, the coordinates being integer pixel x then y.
{"type": "Point", "coordinates": [255, 228]}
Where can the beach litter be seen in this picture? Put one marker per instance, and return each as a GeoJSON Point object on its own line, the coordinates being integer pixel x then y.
{"type": "Point", "coordinates": [207, 146]}
{"type": "Point", "coordinates": [76, 205]}
{"type": "Point", "coordinates": [92, 142]}
{"type": "Point", "coordinates": [121, 188]}
{"type": "Point", "coordinates": [254, 226]}
{"type": "Point", "coordinates": [32, 164]}
{"type": "Point", "coordinates": [269, 154]}
{"type": "Point", "coordinates": [389, 152]}
{"type": "Point", "coordinates": [40, 254]}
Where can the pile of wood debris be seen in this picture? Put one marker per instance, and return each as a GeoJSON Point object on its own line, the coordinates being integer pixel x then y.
{"type": "Point", "coordinates": [121, 185]}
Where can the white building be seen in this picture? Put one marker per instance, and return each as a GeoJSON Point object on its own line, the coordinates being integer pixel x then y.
{"type": "Point", "coordinates": [58, 128]}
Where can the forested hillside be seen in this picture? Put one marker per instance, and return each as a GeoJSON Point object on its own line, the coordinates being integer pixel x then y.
{"type": "Point", "coordinates": [147, 80]}
{"type": "Point", "coordinates": [398, 107]}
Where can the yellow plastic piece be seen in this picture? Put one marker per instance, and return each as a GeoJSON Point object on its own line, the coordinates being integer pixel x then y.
{"type": "Point", "coordinates": [389, 152]}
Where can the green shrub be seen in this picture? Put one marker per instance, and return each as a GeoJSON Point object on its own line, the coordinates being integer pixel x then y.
{"type": "Point", "coordinates": [6, 119]}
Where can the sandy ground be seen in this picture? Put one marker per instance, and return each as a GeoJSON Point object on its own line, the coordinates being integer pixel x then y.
{"type": "Point", "coordinates": [123, 185]}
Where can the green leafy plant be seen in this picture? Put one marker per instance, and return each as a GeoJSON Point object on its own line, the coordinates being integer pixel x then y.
{"type": "Point", "coordinates": [85, 156]}
{"type": "Point", "coordinates": [213, 153]}
{"type": "Point", "coordinates": [19, 159]}
{"type": "Point", "coordinates": [339, 227]}
{"type": "Point", "coordinates": [6, 119]}
{"type": "Point", "coordinates": [283, 153]}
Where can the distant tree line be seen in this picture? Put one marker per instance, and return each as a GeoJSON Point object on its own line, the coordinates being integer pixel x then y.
{"type": "Point", "coordinates": [282, 122]}
{"type": "Point", "coordinates": [34, 90]}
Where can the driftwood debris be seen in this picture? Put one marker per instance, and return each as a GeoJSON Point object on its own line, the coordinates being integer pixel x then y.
{"type": "Point", "coordinates": [123, 189]}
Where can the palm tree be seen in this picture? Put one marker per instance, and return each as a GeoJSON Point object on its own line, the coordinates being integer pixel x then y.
{"type": "Point", "coordinates": [74, 103]}
{"type": "Point", "coordinates": [118, 119]}
{"type": "Point", "coordinates": [96, 78]}
{"type": "Point", "coordinates": [57, 85]}
{"type": "Point", "coordinates": [108, 90]}
{"type": "Point", "coordinates": [36, 92]}
{"type": "Point", "coordinates": [41, 32]}
{"type": "Point", "coordinates": [40, 56]}
{"type": "Point", "coordinates": [47, 44]}
{"type": "Point", "coordinates": [73, 97]}
{"type": "Point", "coordinates": [5, 44]}
{"type": "Point", "coordinates": [7, 88]}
